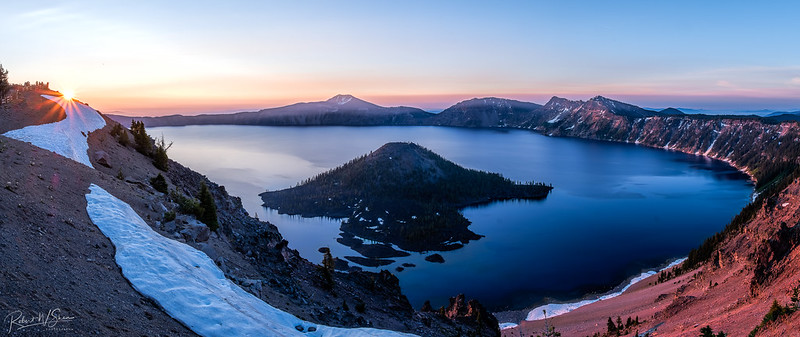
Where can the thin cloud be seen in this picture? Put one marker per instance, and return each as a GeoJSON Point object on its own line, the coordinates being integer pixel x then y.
{"type": "Point", "coordinates": [724, 84]}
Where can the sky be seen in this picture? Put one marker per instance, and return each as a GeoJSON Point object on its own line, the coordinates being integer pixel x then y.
{"type": "Point", "coordinates": [163, 57]}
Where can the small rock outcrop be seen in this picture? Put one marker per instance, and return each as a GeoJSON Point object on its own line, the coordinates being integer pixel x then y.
{"type": "Point", "coordinates": [435, 258]}
{"type": "Point", "coordinates": [101, 157]}
{"type": "Point", "coordinates": [461, 318]}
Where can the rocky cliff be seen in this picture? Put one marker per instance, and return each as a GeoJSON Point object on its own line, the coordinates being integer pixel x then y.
{"type": "Point", "coordinates": [753, 144]}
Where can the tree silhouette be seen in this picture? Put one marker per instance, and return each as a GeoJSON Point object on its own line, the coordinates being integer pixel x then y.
{"type": "Point", "coordinates": [141, 140]}
{"type": "Point", "coordinates": [209, 208]}
{"type": "Point", "coordinates": [5, 87]}
{"type": "Point", "coordinates": [611, 327]}
{"type": "Point", "coordinates": [160, 159]}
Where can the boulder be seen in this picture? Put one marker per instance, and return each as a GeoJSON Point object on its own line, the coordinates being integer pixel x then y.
{"type": "Point", "coordinates": [196, 231]}
{"type": "Point", "coordinates": [101, 157]}
{"type": "Point", "coordinates": [209, 250]}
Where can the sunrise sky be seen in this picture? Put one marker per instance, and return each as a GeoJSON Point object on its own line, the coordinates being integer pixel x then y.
{"type": "Point", "coordinates": [162, 57]}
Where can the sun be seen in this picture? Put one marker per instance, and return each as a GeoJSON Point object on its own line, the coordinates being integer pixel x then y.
{"type": "Point", "coordinates": [68, 95]}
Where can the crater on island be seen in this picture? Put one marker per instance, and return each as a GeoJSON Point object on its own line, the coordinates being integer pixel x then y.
{"type": "Point", "coordinates": [401, 195]}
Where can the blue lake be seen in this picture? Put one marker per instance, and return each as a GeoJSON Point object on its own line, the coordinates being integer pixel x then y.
{"type": "Point", "coordinates": [615, 210]}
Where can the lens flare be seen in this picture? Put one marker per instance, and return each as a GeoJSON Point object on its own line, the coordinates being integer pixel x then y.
{"type": "Point", "coordinates": [68, 94]}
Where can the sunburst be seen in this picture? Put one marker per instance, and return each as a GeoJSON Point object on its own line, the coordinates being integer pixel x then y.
{"type": "Point", "coordinates": [68, 95]}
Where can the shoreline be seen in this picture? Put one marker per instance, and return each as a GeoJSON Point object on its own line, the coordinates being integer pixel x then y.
{"type": "Point", "coordinates": [556, 309]}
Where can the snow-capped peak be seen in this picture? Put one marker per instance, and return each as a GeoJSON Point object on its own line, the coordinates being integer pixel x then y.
{"type": "Point", "coordinates": [341, 99]}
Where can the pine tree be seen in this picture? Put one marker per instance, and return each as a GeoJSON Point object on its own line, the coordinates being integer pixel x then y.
{"type": "Point", "coordinates": [612, 328]}
{"type": "Point", "coordinates": [209, 209]}
{"type": "Point", "coordinates": [794, 297]}
{"type": "Point", "coordinates": [116, 130]}
{"type": "Point", "coordinates": [160, 159]}
{"type": "Point", "coordinates": [5, 87]}
{"type": "Point", "coordinates": [142, 141]}
{"type": "Point", "coordinates": [159, 183]}
{"type": "Point", "coordinates": [549, 329]}
{"type": "Point", "coordinates": [706, 331]}
{"type": "Point", "coordinates": [328, 262]}
{"type": "Point", "coordinates": [123, 138]}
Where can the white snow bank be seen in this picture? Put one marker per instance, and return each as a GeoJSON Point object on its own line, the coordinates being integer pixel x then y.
{"type": "Point", "coordinates": [555, 309]}
{"type": "Point", "coordinates": [188, 285]}
{"type": "Point", "coordinates": [504, 326]}
{"type": "Point", "coordinates": [66, 137]}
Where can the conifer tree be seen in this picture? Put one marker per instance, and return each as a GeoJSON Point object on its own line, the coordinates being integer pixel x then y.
{"type": "Point", "coordinates": [123, 138]}
{"type": "Point", "coordinates": [328, 262]}
{"type": "Point", "coordinates": [209, 209]}
{"type": "Point", "coordinates": [549, 329]}
{"type": "Point", "coordinates": [5, 87]}
{"type": "Point", "coordinates": [141, 140]}
{"type": "Point", "coordinates": [612, 328]}
{"type": "Point", "coordinates": [159, 183]}
{"type": "Point", "coordinates": [160, 159]}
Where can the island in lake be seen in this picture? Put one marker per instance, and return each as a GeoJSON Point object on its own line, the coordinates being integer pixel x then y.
{"type": "Point", "coordinates": [401, 194]}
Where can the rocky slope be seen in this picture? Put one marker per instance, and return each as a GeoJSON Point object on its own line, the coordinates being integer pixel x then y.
{"type": "Point", "coordinates": [55, 258]}
{"type": "Point", "coordinates": [338, 110]}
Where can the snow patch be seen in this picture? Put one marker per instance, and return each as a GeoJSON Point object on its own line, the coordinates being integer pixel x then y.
{"type": "Point", "coordinates": [342, 100]}
{"type": "Point", "coordinates": [504, 326]}
{"type": "Point", "coordinates": [67, 137]}
{"type": "Point", "coordinates": [556, 309]}
{"type": "Point", "coordinates": [555, 119]}
{"type": "Point", "coordinates": [710, 147]}
{"type": "Point", "coordinates": [187, 283]}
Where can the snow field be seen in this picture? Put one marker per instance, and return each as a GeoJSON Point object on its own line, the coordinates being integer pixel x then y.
{"type": "Point", "coordinates": [66, 137]}
{"type": "Point", "coordinates": [189, 286]}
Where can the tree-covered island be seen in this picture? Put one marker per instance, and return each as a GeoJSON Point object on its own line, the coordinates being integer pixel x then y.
{"type": "Point", "coordinates": [401, 194]}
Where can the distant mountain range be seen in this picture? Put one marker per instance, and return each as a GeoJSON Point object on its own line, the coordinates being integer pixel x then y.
{"type": "Point", "coordinates": [346, 110]}
{"type": "Point", "coordinates": [338, 110]}
{"type": "Point", "coordinates": [781, 116]}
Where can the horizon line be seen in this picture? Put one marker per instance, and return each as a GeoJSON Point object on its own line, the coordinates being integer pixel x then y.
{"type": "Point", "coordinates": [437, 103]}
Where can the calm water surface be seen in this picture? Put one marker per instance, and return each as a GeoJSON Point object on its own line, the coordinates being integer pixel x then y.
{"type": "Point", "coordinates": [615, 210]}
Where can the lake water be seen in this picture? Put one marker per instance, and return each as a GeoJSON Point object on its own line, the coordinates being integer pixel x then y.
{"type": "Point", "coordinates": [615, 210]}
